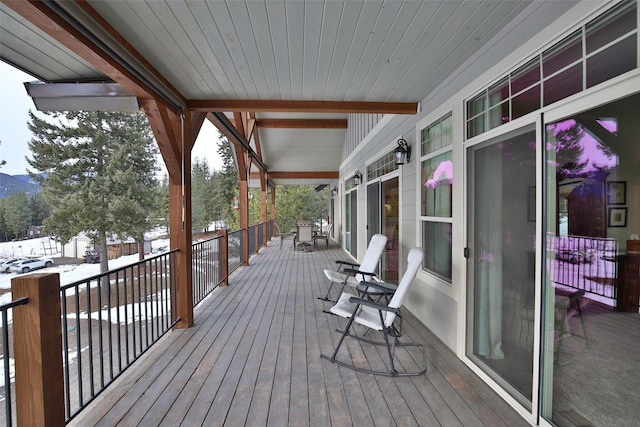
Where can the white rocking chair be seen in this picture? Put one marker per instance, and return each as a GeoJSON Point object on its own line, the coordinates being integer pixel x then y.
{"type": "Point", "coordinates": [350, 273]}
{"type": "Point", "coordinates": [381, 318]}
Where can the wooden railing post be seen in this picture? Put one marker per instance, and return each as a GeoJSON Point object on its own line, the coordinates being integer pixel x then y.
{"type": "Point", "coordinates": [224, 257]}
{"type": "Point", "coordinates": [37, 338]}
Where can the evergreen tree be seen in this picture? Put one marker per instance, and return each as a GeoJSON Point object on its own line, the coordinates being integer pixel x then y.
{"type": "Point", "coordinates": [200, 177]}
{"type": "Point", "coordinates": [98, 174]}
{"type": "Point", "coordinates": [3, 223]}
{"type": "Point", "coordinates": [17, 214]}
{"type": "Point", "coordinates": [225, 186]}
{"type": "Point", "coordinates": [39, 209]}
{"type": "Point", "coordinates": [294, 202]}
{"type": "Point", "coordinates": [161, 206]}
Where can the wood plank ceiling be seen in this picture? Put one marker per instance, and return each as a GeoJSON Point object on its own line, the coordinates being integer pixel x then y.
{"type": "Point", "coordinates": [294, 69]}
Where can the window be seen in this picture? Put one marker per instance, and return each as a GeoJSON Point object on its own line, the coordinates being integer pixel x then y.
{"type": "Point", "coordinates": [604, 48]}
{"type": "Point", "coordinates": [384, 165]}
{"type": "Point", "coordinates": [437, 180]}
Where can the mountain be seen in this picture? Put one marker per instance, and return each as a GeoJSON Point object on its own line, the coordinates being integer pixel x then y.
{"type": "Point", "coordinates": [15, 183]}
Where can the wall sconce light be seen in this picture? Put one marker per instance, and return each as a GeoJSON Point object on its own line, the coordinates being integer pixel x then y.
{"type": "Point", "coordinates": [357, 178]}
{"type": "Point", "coordinates": [402, 152]}
{"type": "Point", "coordinates": [334, 191]}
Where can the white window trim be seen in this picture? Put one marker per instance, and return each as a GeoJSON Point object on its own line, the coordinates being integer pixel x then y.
{"type": "Point", "coordinates": [442, 285]}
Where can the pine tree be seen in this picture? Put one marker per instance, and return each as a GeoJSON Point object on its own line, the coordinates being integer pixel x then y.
{"type": "Point", "coordinates": [17, 215]}
{"type": "Point", "coordinates": [200, 177]}
{"type": "Point", "coordinates": [97, 173]}
{"type": "Point", "coordinates": [160, 215]}
{"type": "Point", "coordinates": [225, 186]}
{"type": "Point", "coordinates": [298, 201]}
{"type": "Point", "coordinates": [3, 223]}
{"type": "Point", "coordinates": [39, 209]}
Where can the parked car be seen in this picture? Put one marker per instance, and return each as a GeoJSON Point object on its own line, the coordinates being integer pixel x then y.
{"type": "Point", "coordinates": [6, 264]}
{"type": "Point", "coordinates": [27, 265]}
{"type": "Point", "coordinates": [574, 256]}
{"type": "Point", "coordinates": [92, 256]}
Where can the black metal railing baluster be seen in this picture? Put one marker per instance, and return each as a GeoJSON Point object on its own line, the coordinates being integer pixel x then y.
{"type": "Point", "coordinates": [6, 357]}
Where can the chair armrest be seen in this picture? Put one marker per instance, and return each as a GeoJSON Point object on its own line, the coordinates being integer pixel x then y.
{"type": "Point", "coordinates": [353, 272]}
{"type": "Point", "coordinates": [368, 303]}
{"type": "Point", "coordinates": [353, 264]}
{"type": "Point", "coordinates": [381, 288]}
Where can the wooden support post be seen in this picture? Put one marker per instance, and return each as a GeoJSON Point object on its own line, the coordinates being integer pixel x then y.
{"type": "Point", "coordinates": [244, 218]}
{"type": "Point", "coordinates": [224, 257]}
{"type": "Point", "coordinates": [180, 237]}
{"type": "Point", "coordinates": [37, 340]}
{"type": "Point", "coordinates": [263, 207]}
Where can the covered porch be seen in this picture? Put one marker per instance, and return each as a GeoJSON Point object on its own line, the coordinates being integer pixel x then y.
{"type": "Point", "coordinates": [252, 357]}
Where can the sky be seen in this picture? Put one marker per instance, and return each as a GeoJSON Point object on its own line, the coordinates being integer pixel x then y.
{"type": "Point", "coordinates": [14, 133]}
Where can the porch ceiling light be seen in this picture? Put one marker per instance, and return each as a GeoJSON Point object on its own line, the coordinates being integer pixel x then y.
{"type": "Point", "coordinates": [357, 178]}
{"type": "Point", "coordinates": [402, 152]}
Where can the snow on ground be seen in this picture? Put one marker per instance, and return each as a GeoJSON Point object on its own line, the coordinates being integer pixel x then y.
{"type": "Point", "coordinates": [71, 273]}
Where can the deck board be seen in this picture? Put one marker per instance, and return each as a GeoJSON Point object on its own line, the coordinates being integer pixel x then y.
{"type": "Point", "coordinates": [253, 358]}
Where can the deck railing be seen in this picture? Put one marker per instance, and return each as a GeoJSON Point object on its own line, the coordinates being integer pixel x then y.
{"type": "Point", "coordinates": [7, 369]}
{"type": "Point", "coordinates": [585, 263]}
{"type": "Point", "coordinates": [236, 257]}
{"type": "Point", "coordinates": [252, 238]}
{"type": "Point", "coordinates": [206, 260]}
{"type": "Point", "coordinates": [109, 320]}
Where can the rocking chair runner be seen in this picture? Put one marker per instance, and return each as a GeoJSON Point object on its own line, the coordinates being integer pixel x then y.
{"type": "Point", "coordinates": [380, 318]}
{"type": "Point", "coordinates": [350, 273]}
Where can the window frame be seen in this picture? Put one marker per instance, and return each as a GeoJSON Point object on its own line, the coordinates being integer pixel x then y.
{"type": "Point", "coordinates": [442, 149]}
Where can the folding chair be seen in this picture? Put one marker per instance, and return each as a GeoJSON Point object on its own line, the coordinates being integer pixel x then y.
{"type": "Point", "coordinates": [322, 235]}
{"type": "Point", "coordinates": [303, 237]}
{"type": "Point", "coordinates": [350, 273]}
{"type": "Point", "coordinates": [282, 235]}
{"type": "Point", "coordinates": [381, 318]}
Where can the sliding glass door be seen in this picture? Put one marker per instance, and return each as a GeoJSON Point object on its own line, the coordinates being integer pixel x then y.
{"type": "Point", "coordinates": [591, 327]}
{"type": "Point", "coordinates": [501, 244]}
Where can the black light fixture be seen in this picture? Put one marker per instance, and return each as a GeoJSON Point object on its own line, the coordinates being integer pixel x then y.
{"type": "Point", "coordinates": [334, 191]}
{"type": "Point", "coordinates": [357, 178]}
{"type": "Point", "coordinates": [402, 152]}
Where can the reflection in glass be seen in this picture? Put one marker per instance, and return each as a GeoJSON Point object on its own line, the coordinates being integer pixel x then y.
{"type": "Point", "coordinates": [589, 328]}
{"type": "Point", "coordinates": [437, 175]}
{"type": "Point", "coordinates": [436, 238]}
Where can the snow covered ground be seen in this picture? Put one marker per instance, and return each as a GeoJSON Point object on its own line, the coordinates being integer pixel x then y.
{"type": "Point", "coordinates": [68, 273]}
{"type": "Point", "coordinates": [45, 247]}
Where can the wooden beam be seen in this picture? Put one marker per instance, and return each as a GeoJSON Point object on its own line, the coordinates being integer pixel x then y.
{"type": "Point", "coordinates": [164, 125]}
{"type": "Point", "coordinates": [256, 136]}
{"type": "Point", "coordinates": [302, 123]}
{"type": "Point", "coordinates": [235, 138]}
{"type": "Point", "coordinates": [239, 123]}
{"type": "Point", "coordinates": [233, 105]}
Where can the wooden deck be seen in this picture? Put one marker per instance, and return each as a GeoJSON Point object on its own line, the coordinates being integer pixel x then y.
{"type": "Point", "coordinates": [253, 358]}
